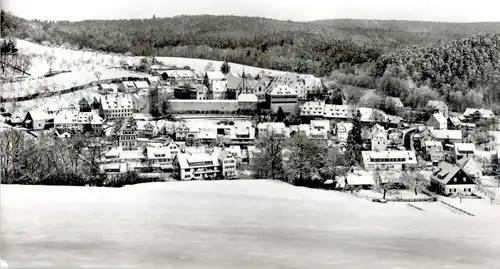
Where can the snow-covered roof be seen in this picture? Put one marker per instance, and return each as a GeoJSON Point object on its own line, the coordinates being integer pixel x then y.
{"type": "Point", "coordinates": [141, 84]}
{"type": "Point", "coordinates": [39, 114]}
{"type": "Point", "coordinates": [360, 179]}
{"type": "Point", "coordinates": [446, 134]}
{"type": "Point", "coordinates": [396, 156]}
{"type": "Point", "coordinates": [117, 101]}
{"type": "Point", "coordinates": [466, 147]}
{"type": "Point", "coordinates": [485, 113]}
{"type": "Point", "coordinates": [339, 111]}
{"type": "Point", "coordinates": [250, 98]}
{"type": "Point", "coordinates": [439, 118]}
{"type": "Point", "coordinates": [281, 89]}
{"type": "Point", "coordinates": [215, 75]}
{"type": "Point", "coordinates": [312, 108]}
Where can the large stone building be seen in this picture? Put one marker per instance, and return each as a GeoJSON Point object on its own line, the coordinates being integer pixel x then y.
{"type": "Point", "coordinates": [282, 96]}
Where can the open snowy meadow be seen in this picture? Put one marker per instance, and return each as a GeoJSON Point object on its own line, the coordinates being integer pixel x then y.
{"type": "Point", "coordinates": [237, 224]}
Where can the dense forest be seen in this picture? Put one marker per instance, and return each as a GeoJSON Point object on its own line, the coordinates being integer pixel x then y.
{"type": "Point", "coordinates": [416, 61]}
{"type": "Point", "coordinates": [307, 47]}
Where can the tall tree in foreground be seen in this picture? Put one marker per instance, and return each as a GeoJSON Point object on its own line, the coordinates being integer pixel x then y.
{"type": "Point", "coordinates": [335, 165]}
{"type": "Point", "coordinates": [305, 161]}
{"type": "Point", "coordinates": [268, 161]}
{"type": "Point", "coordinates": [414, 181]}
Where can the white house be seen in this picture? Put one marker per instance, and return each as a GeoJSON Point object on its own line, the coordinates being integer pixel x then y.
{"type": "Point", "coordinates": [196, 166]}
{"type": "Point", "coordinates": [78, 121]}
{"type": "Point", "coordinates": [127, 87]}
{"type": "Point", "coordinates": [388, 159]}
{"type": "Point", "coordinates": [319, 129]}
{"type": "Point", "coordinates": [228, 165]}
{"type": "Point", "coordinates": [163, 157]}
{"type": "Point", "coordinates": [273, 128]}
{"type": "Point", "coordinates": [379, 142]}
{"type": "Point", "coordinates": [38, 120]}
{"type": "Point", "coordinates": [343, 129]}
{"type": "Point", "coordinates": [437, 121]}
{"type": "Point", "coordinates": [463, 150]}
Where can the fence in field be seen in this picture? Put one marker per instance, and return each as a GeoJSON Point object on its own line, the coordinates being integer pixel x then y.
{"type": "Point", "coordinates": [457, 209]}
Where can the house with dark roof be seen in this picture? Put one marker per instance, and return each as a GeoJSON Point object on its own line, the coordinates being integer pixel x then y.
{"type": "Point", "coordinates": [450, 179]}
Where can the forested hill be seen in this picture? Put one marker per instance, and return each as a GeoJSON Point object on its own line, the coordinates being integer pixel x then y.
{"type": "Point", "coordinates": [308, 47]}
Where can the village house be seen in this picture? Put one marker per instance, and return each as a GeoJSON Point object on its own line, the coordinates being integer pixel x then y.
{"type": "Point", "coordinates": [379, 142]}
{"type": "Point", "coordinates": [471, 167]}
{"type": "Point", "coordinates": [343, 129]}
{"type": "Point", "coordinates": [181, 130]}
{"type": "Point", "coordinates": [438, 106]}
{"type": "Point", "coordinates": [299, 87]}
{"type": "Point", "coordinates": [206, 135]}
{"type": "Point", "coordinates": [202, 92]}
{"type": "Point", "coordinates": [142, 85]}
{"type": "Point", "coordinates": [107, 89]}
{"type": "Point", "coordinates": [463, 150]}
{"type": "Point", "coordinates": [444, 136]}
{"type": "Point", "coordinates": [162, 157]}
{"type": "Point", "coordinates": [478, 113]}
{"type": "Point", "coordinates": [38, 120]}
{"type": "Point", "coordinates": [118, 160]}
{"type": "Point", "coordinates": [51, 108]}
{"type": "Point", "coordinates": [437, 121]}
{"type": "Point", "coordinates": [339, 111]}
{"type": "Point", "coordinates": [247, 102]}
{"type": "Point", "coordinates": [242, 133]}
{"type": "Point", "coordinates": [196, 166]}
{"type": "Point", "coordinates": [218, 90]}
{"type": "Point", "coordinates": [228, 165]}
{"type": "Point", "coordinates": [313, 109]}
{"type": "Point", "coordinates": [386, 160]}
{"type": "Point", "coordinates": [272, 128]}
{"type": "Point", "coordinates": [78, 121]}
{"type": "Point", "coordinates": [127, 87]}
{"type": "Point", "coordinates": [215, 76]}
{"type": "Point", "coordinates": [117, 106]}
{"type": "Point", "coordinates": [312, 84]}
{"type": "Point", "coordinates": [319, 129]}
{"type": "Point", "coordinates": [450, 179]}
{"type": "Point", "coordinates": [434, 150]}
{"type": "Point", "coordinates": [146, 129]}
{"type": "Point", "coordinates": [281, 96]}
{"type": "Point", "coordinates": [127, 135]}
{"type": "Point", "coordinates": [178, 76]}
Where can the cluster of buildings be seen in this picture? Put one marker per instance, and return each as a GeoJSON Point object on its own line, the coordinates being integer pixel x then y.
{"type": "Point", "coordinates": [206, 149]}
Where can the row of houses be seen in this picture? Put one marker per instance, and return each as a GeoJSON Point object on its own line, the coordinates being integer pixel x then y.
{"type": "Point", "coordinates": [174, 158]}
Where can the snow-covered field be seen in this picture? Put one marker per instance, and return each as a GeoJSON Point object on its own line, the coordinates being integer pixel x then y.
{"type": "Point", "coordinates": [88, 60]}
{"type": "Point", "coordinates": [235, 224]}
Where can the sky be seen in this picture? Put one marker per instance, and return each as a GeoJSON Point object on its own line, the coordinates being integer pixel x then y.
{"type": "Point", "coordinates": [303, 10]}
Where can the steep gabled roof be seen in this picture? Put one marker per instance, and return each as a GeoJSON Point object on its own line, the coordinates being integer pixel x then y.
{"type": "Point", "coordinates": [445, 173]}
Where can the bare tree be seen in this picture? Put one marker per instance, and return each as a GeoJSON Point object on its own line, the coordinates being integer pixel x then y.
{"type": "Point", "coordinates": [98, 75]}
{"type": "Point", "coordinates": [268, 162]}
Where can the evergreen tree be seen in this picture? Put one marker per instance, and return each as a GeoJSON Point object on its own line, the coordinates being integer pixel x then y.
{"type": "Point", "coordinates": [280, 117]}
{"type": "Point", "coordinates": [206, 82]}
{"type": "Point", "coordinates": [354, 143]}
{"type": "Point", "coordinates": [225, 68]}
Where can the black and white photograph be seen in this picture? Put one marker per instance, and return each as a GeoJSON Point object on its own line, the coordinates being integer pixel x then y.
{"type": "Point", "coordinates": [224, 134]}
